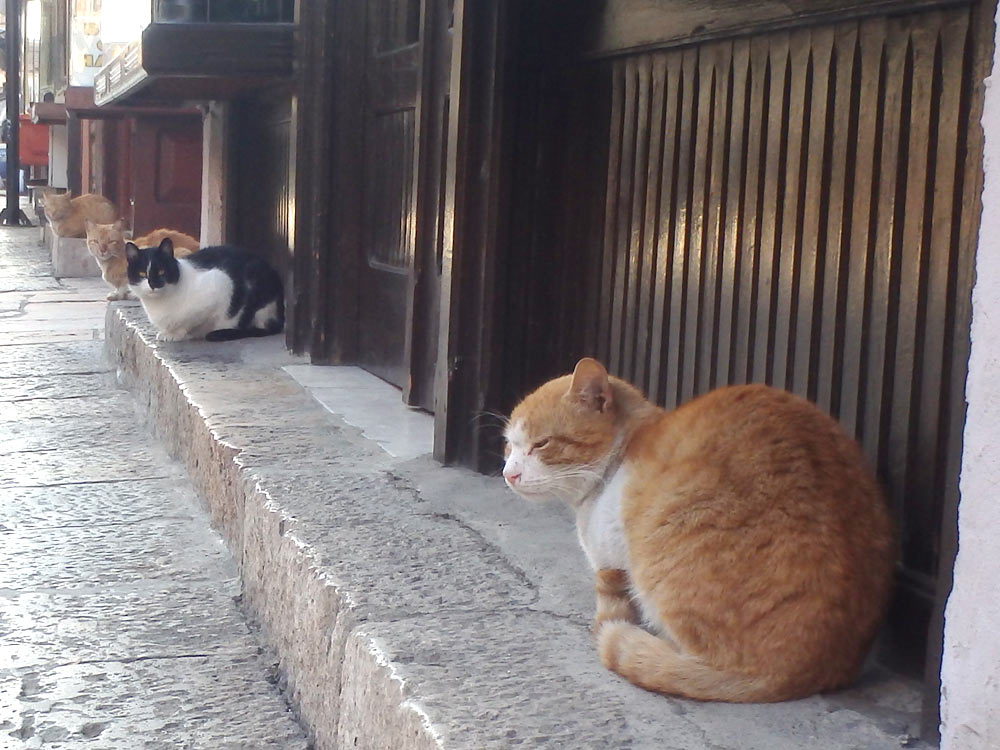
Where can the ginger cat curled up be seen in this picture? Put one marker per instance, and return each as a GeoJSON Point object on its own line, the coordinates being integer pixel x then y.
{"type": "Point", "coordinates": [106, 243]}
{"type": "Point", "coordinates": [742, 549]}
{"type": "Point", "coordinates": [68, 216]}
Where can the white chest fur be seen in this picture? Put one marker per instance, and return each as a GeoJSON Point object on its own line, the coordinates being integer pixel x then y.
{"type": "Point", "coordinates": [599, 525]}
{"type": "Point", "coordinates": [197, 304]}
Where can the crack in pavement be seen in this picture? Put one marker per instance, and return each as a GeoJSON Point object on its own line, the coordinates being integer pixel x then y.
{"type": "Point", "coordinates": [54, 374]}
{"type": "Point", "coordinates": [80, 483]}
{"type": "Point", "coordinates": [44, 398]}
{"type": "Point", "coordinates": [97, 525]}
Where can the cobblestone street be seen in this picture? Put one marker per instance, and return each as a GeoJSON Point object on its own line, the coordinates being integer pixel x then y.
{"type": "Point", "coordinates": [120, 622]}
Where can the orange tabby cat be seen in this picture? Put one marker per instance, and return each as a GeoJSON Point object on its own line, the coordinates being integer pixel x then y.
{"type": "Point", "coordinates": [742, 549]}
{"type": "Point", "coordinates": [68, 216]}
{"type": "Point", "coordinates": [106, 243]}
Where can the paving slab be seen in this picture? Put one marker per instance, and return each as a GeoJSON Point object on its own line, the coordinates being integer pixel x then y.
{"type": "Point", "coordinates": [416, 606]}
{"type": "Point", "coordinates": [71, 358]}
{"type": "Point", "coordinates": [122, 622]}
{"type": "Point", "coordinates": [156, 703]}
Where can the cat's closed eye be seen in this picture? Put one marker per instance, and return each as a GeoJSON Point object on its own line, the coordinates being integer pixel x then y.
{"type": "Point", "coordinates": [539, 444]}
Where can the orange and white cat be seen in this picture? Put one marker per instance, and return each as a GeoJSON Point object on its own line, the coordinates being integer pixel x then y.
{"type": "Point", "coordinates": [106, 243]}
{"type": "Point", "coordinates": [68, 216]}
{"type": "Point", "coordinates": [742, 549]}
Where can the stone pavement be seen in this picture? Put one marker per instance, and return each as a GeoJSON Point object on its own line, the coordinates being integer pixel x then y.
{"type": "Point", "coordinates": [120, 612]}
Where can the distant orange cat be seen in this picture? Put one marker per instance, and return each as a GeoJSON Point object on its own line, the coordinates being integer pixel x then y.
{"type": "Point", "coordinates": [106, 243]}
{"type": "Point", "coordinates": [742, 549]}
{"type": "Point", "coordinates": [68, 216]}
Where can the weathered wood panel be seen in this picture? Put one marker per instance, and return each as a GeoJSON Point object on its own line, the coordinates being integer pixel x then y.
{"type": "Point", "coordinates": [810, 267]}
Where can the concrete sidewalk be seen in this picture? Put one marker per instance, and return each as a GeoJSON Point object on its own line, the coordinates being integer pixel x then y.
{"type": "Point", "coordinates": [415, 606]}
{"type": "Point", "coordinates": [121, 624]}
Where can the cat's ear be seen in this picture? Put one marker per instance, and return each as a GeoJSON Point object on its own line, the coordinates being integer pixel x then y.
{"type": "Point", "coordinates": [167, 246]}
{"type": "Point", "coordinates": [590, 385]}
{"type": "Point", "coordinates": [131, 251]}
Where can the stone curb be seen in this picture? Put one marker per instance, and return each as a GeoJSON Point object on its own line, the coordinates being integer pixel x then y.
{"type": "Point", "coordinates": [305, 617]}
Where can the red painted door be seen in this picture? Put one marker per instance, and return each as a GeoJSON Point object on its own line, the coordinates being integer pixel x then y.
{"type": "Point", "coordinates": [166, 174]}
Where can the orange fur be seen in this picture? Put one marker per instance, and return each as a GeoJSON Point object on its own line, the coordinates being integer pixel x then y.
{"type": "Point", "coordinates": [68, 216]}
{"type": "Point", "coordinates": [759, 547]}
{"type": "Point", "coordinates": [106, 243]}
{"type": "Point", "coordinates": [184, 244]}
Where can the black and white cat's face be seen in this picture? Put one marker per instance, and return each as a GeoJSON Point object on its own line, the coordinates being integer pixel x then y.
{"type": "Point", "coordinates": [151, 270]}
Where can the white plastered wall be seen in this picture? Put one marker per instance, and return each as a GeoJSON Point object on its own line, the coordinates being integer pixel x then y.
{"type": "Point", "coordinates": [970, 671]}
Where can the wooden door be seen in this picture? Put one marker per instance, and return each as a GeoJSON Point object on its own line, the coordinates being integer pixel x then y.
{"type": "Point", "coordinates": [166, 174]}
{"type": "Point", "coordinates": [404, 124]}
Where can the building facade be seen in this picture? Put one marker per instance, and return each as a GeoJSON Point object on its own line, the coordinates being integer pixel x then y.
{"type": "Point", "coordinates": [465, 197]}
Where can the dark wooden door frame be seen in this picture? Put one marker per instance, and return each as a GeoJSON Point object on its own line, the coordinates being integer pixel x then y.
{"type": "Point", "coordinates": [476, 196]}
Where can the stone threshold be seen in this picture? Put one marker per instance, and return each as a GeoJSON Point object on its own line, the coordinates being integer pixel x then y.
{"type": "Point", "coordinates": [416, 606]}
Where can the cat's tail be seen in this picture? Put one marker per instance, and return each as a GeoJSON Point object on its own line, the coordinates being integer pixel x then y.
{"type": "Point", "coordinates": [655, 664]}
{"type": "Point", "coordinates": [231, 334]}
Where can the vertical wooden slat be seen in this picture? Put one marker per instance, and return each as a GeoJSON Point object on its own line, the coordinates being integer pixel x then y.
{"type": "Point", "coordinates": [670, 70]}
{"type": "Point", "coordinates": [815, 200]}
{"type": "Point", "coordinates": [637, 222]}
{"type": "Point", "coordinates": [648, 325]}
{"type": "Point", "coordinates": [740, 372]}
{"type": "Point", "coordinates": [913, 264]}
{"type": "Point", "coordinates": [872, 36]}
{"type": "Point", "coordinates": [626, 187]}
{"type": "Point", "coordinates": [615, 159]}
{"type": "Point", "coordinates": [942, 266]}
{"type": "Point", "coordinates": [696, 258]}
{"type": "Point", "coordinates": [771, 213]}
{"type": "Point", "coordinates": [884, 245]}
{"type": "Point", "coordinates": [732, 222]}
{"type": "Point", "coordinates": [838, 220]}
{"type": "Point", "coordinates": [682, 211]}
{"type": "Point", "coordinates": [790, 238]}
{"type": "Point", "coordinates": [707, 332]}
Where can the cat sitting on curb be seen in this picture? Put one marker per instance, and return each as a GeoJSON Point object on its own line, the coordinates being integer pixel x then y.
{"type": "Point", "coordinates": [742, 548]}
{"type": "Point", "coordinates": [217, 293]}
{"type": "Point", "coordinates": [106, 242]}
{"type": "Point", "coordinates": [68, 216]}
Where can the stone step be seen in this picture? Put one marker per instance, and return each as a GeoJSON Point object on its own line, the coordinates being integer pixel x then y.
{"type": "Point", "coordinates": [417, 606]}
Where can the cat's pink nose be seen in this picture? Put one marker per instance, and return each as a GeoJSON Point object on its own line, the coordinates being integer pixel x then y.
{"type": "Point", "coordinates": [511, 477]}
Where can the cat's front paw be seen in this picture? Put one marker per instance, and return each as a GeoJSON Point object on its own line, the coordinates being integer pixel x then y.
{"type": "Point", "coordinates": [113, 297]}
{"type": "Point", "coordinates": [614, 601]}
{"type": "Point", "coordinates": [168, 336]}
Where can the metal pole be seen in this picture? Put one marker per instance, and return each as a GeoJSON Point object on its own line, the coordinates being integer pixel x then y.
{"type": "Point", "coordinates": [11, 216]}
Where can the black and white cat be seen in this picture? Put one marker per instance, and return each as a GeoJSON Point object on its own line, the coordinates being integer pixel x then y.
{"type": "Point", "coordinates": [217, 293]}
